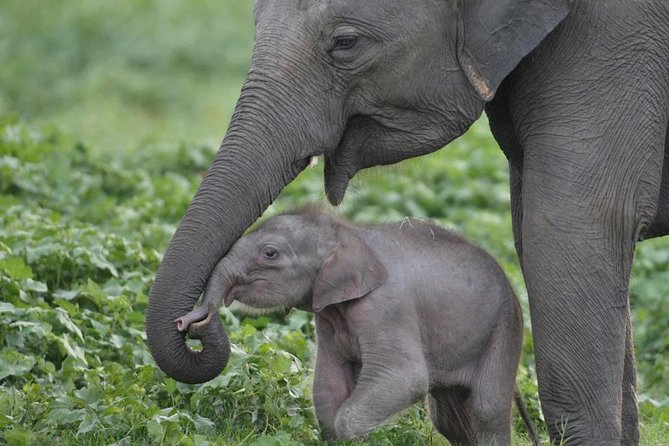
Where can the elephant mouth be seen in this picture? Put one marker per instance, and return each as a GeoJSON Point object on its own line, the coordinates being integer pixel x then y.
{"type": "Point", "coordinates": [242, 292]}
{"type": "Point", "coordinates": [233, 295]}
{"type": "Point", "coordinates": [239, 292]}
{"type": "Point", "coordinates": [253, 310]}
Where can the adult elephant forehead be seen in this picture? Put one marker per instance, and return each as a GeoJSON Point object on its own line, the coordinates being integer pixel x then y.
{"type": "Point", "coordinates": [307, 5]}
{"type": "Point", "coordinates": [370, 12]}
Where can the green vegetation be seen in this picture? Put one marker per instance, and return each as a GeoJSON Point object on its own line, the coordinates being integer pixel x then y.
{"type": "Point", "coordinates": [94, 178]}
{"type": "Point", "coordinates": [125, 73]}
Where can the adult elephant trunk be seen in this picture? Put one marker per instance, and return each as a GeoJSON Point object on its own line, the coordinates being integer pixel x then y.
{"type": "Point", "coordinates": [265, 148]}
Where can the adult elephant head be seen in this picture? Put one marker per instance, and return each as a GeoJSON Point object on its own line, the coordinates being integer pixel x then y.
{"type": "Point", "coordinates": [363, 83]}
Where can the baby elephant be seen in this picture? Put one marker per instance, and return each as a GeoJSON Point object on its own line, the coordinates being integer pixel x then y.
{"type": "Point", "coordinates": [402, 310]}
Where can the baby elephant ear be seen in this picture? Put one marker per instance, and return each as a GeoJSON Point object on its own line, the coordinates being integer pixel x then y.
{"type": "Point", "coordinates": [350, 272]}
{"type": "Point", "coordinates": [494, 35]}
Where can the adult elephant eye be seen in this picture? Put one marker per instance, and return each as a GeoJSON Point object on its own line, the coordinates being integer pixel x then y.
{"type": "Point", "coordinates": [345, 43]}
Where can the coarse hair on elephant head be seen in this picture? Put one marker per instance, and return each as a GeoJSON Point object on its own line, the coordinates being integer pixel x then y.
{"type": "Point", "coordinates": [363, 83]}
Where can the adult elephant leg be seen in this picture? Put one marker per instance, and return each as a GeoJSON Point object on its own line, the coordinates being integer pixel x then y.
{"type": "Point", "coordinates": [516, 189]}
{"type": "Point", "coordinates": [503, 129]}
{"type": "Point", "coordinates": [583, 207]}
{"type": "Point", "coordinates": [630, 410]}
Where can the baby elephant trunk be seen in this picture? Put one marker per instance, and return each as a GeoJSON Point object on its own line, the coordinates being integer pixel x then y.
{"type": "Point", "coordinates": [221, 281]}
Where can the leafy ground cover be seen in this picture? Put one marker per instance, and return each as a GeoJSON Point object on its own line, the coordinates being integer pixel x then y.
{"type": "Point", "coordinates": [81, 238]}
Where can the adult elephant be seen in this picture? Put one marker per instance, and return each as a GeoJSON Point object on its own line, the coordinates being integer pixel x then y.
{"type": "Point", "coordinates": [577, 93]}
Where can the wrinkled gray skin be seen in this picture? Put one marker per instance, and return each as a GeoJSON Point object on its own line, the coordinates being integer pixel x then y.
{"type": "Point", "coordinates": [402, 310]}
{"type": "Point", "coordinates": [577, 93]}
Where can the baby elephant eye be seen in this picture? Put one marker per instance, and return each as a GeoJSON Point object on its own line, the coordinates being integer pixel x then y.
{"type": "Point", "coordinates": [270, 253]}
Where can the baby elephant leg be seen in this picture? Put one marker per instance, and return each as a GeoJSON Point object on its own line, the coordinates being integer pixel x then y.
{"type": "Point", "coordinates": [471, 418]}
{"type": "Point", "coordinates": [378, 395]}
{"type": "Point", "coordinates": [334, 379]}
{"type": "Point", "coordinates": [450, 413]}
{"type": "Point", "coordinates": [480, 414]}
{"type": "Point", "coordinates": [493, 388]}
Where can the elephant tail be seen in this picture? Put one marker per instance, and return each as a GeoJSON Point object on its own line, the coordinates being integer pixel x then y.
{"type": "Point", "coordinates": [522, 410]}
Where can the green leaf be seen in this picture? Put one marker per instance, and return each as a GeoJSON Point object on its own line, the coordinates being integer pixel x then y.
{"type": "Point", "coordinates": [203, 424]}
{"type": "Point", "coordinates": [88, 424]}
{"type": "Point", "coordinates": [91, 395]}
{"type": "Point", "coordinates": [64, 319]}
{"type": "Point", "coordinates": [200, 440]}
{"type": "Point", "coordinates": [13, 363]}
{"type": "Point", "coordinates": [65, 294]}
{"type": "Point", "coordinates": [6, 307]}
{"type": "Point", "coordinates": [74, 351]}
{"type": "Point", "coordinates": [67, 306]}
{"type": "Point", "coordinates": [66, 416]}
{"type": "Point", "coordinates": [103, 264]}
{"type": "Point", "coordinates": [18, 436]}
{"type": "Point", "coordinates": [248, 330]}
{"type": "Point", "coordinates": [155, 430]}
{"type": "Point", "coordinates": [265, 440]}
{"type": "Point", "coordinates": [170, 385]}
{"type": "Point", "coordinates": [94, 293]}
{"type": "Point", "coordinates": [280, 363]}
{"type": "Point", "coordinates": [16, 268]}
{"type": "Point", "coordinates": [5, 421]}
{"type": "Point", "coordinates": [38, 287]}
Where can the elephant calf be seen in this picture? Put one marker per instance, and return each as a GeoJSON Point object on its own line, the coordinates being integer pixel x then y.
{"type": "Point", "coordinates": [402, 310]}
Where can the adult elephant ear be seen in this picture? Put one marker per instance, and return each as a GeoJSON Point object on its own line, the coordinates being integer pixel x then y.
{"type": "Point", "coordinates": [495, 35]}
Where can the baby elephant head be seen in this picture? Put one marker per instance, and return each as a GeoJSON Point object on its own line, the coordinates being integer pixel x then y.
{"type": "Point", "coordinates": [307, 260]}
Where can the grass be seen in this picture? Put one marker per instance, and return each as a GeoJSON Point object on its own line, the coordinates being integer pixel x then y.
{"type": "Point", "coordinates": [121, 107]}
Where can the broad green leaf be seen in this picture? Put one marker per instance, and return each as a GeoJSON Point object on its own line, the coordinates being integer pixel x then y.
{"type": "Point", "coordinates": [16, 268]}
{"type": "Point", "coordinates": [102, 263]}
{"type": "Point", "coordinates": [65, 294]}
{"type": "Point", "coordinates": [170, 385]}
{"type": "Point", "coordinates": [67, 306]}
{"type": "Point", "coordinates": [203, 424]}
{"type": "Point", "coordinates": [66, 416]}
{"type": "Point", "coordinates": [88, 424]}
{"type": "Point", "coordinates": [74, 351]}
{"type": "Point", "coordinates": [13, 363]}
{"type": "Point", "coordinates": [155, 430]}
{"type": "Point", "coordinates": [18, 436]}
{"type": "Point", "coordinates": [200, 440]}
{"type": "Point", "coordinates": [280, 363]}
{"type": "Point", "coordinates": [94, 293]}
{"type": "Point", "coordinates": [5, 421]}
{"type": "Point", "coordinates": [70, 326]}
{"type": "Point", "coordinates": [265, 440]}
{"type": "Point", "coordinates": [249, 330]}
{"type": "Point", "coordinates": [6, 307]}
{"type": "Point", "coordinates": [31, 285]}
{"type": "Point", "coordinates": [91, 395]}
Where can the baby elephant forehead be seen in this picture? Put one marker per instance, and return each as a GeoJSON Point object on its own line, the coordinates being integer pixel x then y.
{"type": "Point", "coordinates": [297, 228]}
{"type": "Point", "coordinates": [283, 223]}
